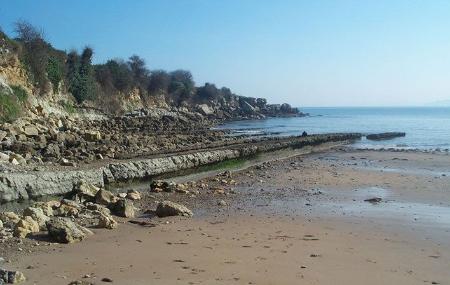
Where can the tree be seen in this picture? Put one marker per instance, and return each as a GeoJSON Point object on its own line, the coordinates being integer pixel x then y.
{"type": "Point", "coordinates": [208, 92]}
{"type": "Point", "coordinates": [159, 82]}
{"type": "Point", "coordinates": [28, 33]}
{"type": "Point", "coordinates": [139, 70]}
{"type": "Point", "coordinates": [36, 52]}
{"type": "Point", "coordinates": [181, 86]}
{"type": "Point", "coordinates": [80, 74]}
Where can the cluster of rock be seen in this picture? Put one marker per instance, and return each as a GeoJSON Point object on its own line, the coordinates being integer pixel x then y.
{"type": "Point", "coordinates": [245, 108]}
{"type": "Point", "coordinates": [34, 184]}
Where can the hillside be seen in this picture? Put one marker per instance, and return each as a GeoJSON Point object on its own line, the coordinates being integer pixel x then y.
{"type": "Point", "coordinates": [62, 82]}
{"type": "Point", "coordinates": [59, 108]}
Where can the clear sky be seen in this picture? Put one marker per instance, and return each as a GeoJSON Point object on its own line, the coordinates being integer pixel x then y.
{"type": "Point", "coordinates": [308, 53]}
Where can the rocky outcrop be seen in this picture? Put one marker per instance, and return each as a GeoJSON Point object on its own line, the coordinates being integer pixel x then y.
{"type": "Point", "coordinates": [34, 184]}
{"type": "Point", "coordinates": [385, 136]}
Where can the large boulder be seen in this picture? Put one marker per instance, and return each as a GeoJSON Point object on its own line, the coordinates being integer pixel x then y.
{"type": "Point", "coordinates": [26, 226]}
{"type": "Point", "coordinates": [64, 230]}
{"type": "Point", "coordinates": [124, 208]}
{"type": "Point", "coordinates": [47, 207]}
{"type": "Point", "coordinates": [38, 215]}
{"type": "Point", "coordinates": [168, 208]}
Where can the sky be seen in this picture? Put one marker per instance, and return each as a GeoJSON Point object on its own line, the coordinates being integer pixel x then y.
{"type": "Point", "coordinates": [307, 53]}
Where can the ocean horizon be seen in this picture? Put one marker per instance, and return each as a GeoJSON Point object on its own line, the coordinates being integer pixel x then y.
{"type": "Point", "coordinates": [426, 128]}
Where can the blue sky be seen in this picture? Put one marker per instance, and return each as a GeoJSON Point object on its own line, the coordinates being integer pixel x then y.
{"type": "Point", "coordinates": [308, 53]}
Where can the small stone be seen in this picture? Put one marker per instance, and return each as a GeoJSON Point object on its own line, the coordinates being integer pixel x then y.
{"type": "Point", "coordinates": [222, 203]}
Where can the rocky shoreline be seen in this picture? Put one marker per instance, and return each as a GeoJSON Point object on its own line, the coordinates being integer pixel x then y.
{"type": "Point", "coordinates": [23, 185]}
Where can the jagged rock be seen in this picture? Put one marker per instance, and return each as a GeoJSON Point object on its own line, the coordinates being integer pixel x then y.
{"type": "Point", "coordinates": [17, 159]}
{"type": "Point", "coordinates": [133, 195]}
{"type": "Point", "coordinates": [47, 207]}
{"type": "Point", "coordinates": [99, 208]}
{"type": "Point", "coordinates": [124, 208]}
{"type": "Point", "coordinates": [205, 110]}
{"type": "Point", "coordinates": [68, 209]}
{"type": "Point", "coordinates": [38, 215]}
{"type": "Point", "coordinates": [26, 226]}
{"type": "Point", "coordinates": [106, 221]}
{"type": "Point", "coordinates": [4, 156]}
{"type": "Point", "coordinates": [168, 208]}
{"type": "Point", "coordinates": [105, 197]}
{"type": "Point", "coordinates": [11, 277]}
{"type": "Point", "coordinates": [31, 131]}
{"type": "Point", "coordinates": [92, 136]}
{"type": "Point", "coordinates": [9, 218]}
{"type": "Point", "coordinates": [64, 230]}
{"type": "Point", "coordinates": [86, 191]}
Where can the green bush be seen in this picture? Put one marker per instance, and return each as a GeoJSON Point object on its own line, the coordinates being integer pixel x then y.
{"type": "Point", "coordinates": [68, 106]}
{"type": "Point", "coordinates": [20, 93]}
{"type": "Point", "coordinates": [55, 72]}
{"type": "Point", "coordinates": [9, 107]}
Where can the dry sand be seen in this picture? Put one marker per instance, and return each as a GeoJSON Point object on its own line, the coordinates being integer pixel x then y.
{"type": "Point", "coordinates": [301, 220]}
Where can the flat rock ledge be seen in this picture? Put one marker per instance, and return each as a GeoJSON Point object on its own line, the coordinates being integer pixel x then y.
{"type": "Point", "coordinates": [32, 185]}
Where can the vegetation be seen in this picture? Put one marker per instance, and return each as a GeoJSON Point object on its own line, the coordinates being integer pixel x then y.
{"type": "Point", "coordinates": [74, 72]}
{"type": "Point", "coordinates": [10, 104]}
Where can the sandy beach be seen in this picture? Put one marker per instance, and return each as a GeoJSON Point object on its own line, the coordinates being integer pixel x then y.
{"type": "Point", "coordinates": [299, 220]}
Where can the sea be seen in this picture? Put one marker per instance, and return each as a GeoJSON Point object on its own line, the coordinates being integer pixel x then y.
{"type": "Point", "coordinates": [426, 128]}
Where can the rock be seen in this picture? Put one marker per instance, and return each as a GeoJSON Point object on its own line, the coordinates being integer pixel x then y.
{"type": "Point", "coordinates": [124, 208]}
{"type": "Point", "coordinates": [26, 226]}
{"type": "Point", "coordinates": [64, 230]}
{"type": "Point", "coordinates": [31, 131]}
{"type": "Point", "coordinates": [86, 191]}
{"type": "Point", "coordinates": [99, 208]}
{"type": "Point", "coordinates": [104, 197]}
{"type": "Point", "coordinates": [106, 221]}
{"type": "Point", "coordinates": [1, 224]}
{"type": "Point", "coordinates": [38, 215]}
{"type": "Point", "coordinates": [47, 207]}
{"type": "Point", "coordinates": [17, 159]}
{"type": "Point", "coordinates": [9, 218]}
{"type": "Point", "coordinates": [65, 210]}
{"type": "Point", "coordinates": [373, 200]}
{"type": "Point", "coordinates": [205, 109]}
{"type": "Point", "coordinates": [133, 195]}
{"type": "Point", "coordinates": [81, 282]}
{"type": "Point", "coordinates": [222, 203]}
{"type": "Point", "coordinates": [4, 157]}
{"type": "Point", "coordinates": [385, 136]}
{"type": "Point", "coordinates": [11, 277]}
{"type": "Point", "coordinates": [92, 136]}
{"type": "Point", "coordinates": [168, 208]}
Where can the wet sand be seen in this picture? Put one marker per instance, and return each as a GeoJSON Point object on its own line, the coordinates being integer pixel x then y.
{"type": "Point", "coordinates": [300, 220]}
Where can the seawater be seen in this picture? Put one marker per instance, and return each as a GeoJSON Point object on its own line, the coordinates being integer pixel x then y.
{"type": "Point", "coordinates": [426, 128]}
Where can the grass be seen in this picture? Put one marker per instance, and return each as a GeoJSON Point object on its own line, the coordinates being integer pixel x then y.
{"type": "Point", "coordinates": [10, 108]}
{"type": "Point", "coordinates": [68, 106]}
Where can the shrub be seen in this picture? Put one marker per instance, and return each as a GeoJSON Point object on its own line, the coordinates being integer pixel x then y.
{"type": "Point", "coordinates": [20, 93]}
{"type": "Point", "coordinates": [9, 107]}
{"type": "Point", "coordinates": [55, 72]}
